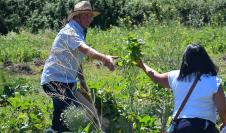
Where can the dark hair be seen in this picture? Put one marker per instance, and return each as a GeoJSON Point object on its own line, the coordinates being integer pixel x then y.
{"type": "Point", "coordinates": [196, 61]}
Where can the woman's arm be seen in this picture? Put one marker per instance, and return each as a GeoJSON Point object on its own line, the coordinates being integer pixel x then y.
{"type": "Point", "coordinates": [161, 79]}
{"type": "Point", "coordinates": [220, 101]}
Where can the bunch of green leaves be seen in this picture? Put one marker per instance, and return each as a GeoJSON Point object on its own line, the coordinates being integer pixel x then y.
{"type": "Point", "coordinates": [107, 107]}
{"type": "Point", "coordinates": [142, 123]}
{"type": "Point", "coordinates": [25, 114]}
{"type": "Point", "coordinates": [75, 118]}
{"type": "Point", "coordinates": [133, 52]}
{"type": "Point", "coordinates": [22, 109]}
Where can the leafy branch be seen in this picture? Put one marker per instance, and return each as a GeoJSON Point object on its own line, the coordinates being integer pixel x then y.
{"type": "Point", "coordinates": [133, 52]}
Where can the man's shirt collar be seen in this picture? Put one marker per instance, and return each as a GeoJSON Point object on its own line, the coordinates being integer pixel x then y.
{"type": "Point", "coordinates": [76, 26]}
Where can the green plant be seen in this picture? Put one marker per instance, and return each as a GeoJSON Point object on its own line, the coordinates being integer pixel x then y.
{"type": "Point", "coordinates": [75, 118]}
{"type": "Point", "coordinates": [115, 90]}
{"type": "Point", "coordinates": [108, 108]}
{"type": "Point", "coordinates": [25, 114]}
{"type": "Point", "coordinates": [133, 52]}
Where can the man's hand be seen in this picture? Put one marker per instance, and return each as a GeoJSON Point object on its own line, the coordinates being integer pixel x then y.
{"type": "Point", "coordinates": [108, 61]}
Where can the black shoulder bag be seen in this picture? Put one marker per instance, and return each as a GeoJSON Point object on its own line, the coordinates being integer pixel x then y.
{"type": "Point", "coordinates": [172, 126]}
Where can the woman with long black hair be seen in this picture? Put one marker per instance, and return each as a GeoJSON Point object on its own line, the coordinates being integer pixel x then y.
{"type": "Point", "coordinates": [199, 113]}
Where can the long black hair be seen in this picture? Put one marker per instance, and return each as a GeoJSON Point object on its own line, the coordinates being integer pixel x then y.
{"type": "Point", "coordinates": [196, 61]}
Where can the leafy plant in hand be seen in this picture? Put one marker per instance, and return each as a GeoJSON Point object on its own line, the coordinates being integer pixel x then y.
{"type": "Point", "coordinates": [133, 52]}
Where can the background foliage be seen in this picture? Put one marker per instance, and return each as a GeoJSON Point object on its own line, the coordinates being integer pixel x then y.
{"type": "Point", "coordinates": [127, 97]}
{"type": "Point", "coordinates": [48, 14]}
{"type": "Point", "coordinates": [127, 94]}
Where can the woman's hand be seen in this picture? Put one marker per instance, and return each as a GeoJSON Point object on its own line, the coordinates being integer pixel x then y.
{"type": "Point", "coordinates": [140, 63]}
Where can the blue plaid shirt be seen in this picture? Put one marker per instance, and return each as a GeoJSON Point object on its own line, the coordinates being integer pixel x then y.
{"type": "Point", "coordinates": [64, 58]}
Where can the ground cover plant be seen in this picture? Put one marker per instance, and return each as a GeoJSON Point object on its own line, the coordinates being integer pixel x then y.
{"type": "Point", "coordinates": [134, 102]}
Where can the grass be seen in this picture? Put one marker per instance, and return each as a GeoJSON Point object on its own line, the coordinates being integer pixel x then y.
{"type": "Point", "coordinates": [24, 47]}
{"type": "Point", "coordinates": [164, 45]}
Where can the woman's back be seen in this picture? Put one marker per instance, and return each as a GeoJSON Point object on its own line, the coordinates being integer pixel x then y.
{"type": "Point", "coordinates": [200, 104]}
{"type": "Point", "coordinates": [199, 112]}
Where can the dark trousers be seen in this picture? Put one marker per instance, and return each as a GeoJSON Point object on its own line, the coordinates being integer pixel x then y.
{"type": "Point", "coordinates": [195, 125]}
{"type": "Point", "coordinates": [62, 95]}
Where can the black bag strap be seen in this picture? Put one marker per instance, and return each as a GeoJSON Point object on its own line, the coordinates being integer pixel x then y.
{"type": "Point", "coordinates": [186, 98]}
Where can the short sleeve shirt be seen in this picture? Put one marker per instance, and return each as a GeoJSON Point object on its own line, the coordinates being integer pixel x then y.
{"type": "Point", "coordinates": [64, 58]}
{"type": "Point", "coordinates": [200, 104]}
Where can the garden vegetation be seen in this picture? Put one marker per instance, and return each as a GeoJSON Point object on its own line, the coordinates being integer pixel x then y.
{"type": "Point", "coordinates": [156, 30]}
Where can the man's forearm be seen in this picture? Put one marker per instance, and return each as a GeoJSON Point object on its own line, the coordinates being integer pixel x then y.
{"type": "Point", "coordinates": [92, 53]}
{"type": "Point", "coordinates": [106, 59]}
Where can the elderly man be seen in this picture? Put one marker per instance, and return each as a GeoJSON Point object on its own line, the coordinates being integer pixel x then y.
{"type": "Point", "coordinates": [63, 65]}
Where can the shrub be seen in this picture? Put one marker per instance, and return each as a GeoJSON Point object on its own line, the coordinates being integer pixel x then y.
{"type": "Point", "coordinates": [48, 14]}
